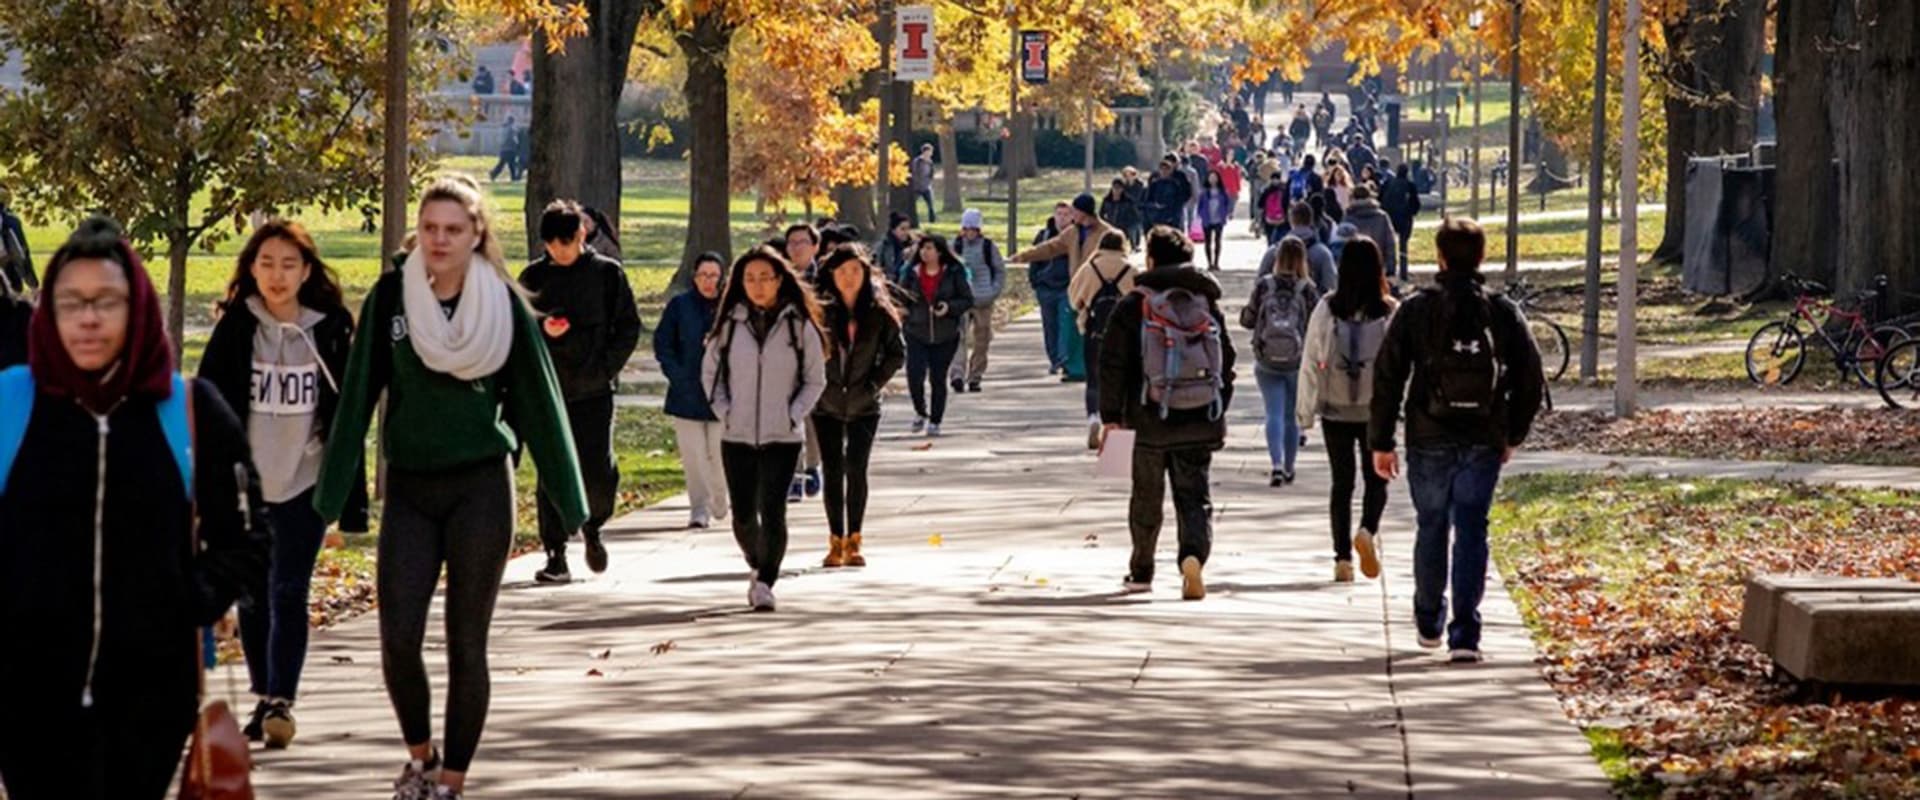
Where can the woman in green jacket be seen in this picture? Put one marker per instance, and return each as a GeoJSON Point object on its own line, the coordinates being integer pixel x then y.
{"type": "Point", "coordinates": [456, 349]}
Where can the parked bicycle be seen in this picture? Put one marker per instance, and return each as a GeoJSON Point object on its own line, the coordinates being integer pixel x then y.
{"type": "Point", "coordinates": [1778, 351]}
{"type": "Point", "coordinates": [1555, 351]}
{"type": "Point", "coordinates": [1897, 375]}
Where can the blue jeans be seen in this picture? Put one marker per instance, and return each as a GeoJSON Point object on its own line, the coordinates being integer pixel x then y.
{"type": "Point", "coordinates": [1452, 490]}
{"type": "Point", "coordinates": [1051, 301]}
{"type": "Point", "coordinates": [1280, 390]}
{"type": "Point", "coordinates": [273, 629]}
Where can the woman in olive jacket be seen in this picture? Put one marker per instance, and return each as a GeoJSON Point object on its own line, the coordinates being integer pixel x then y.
{"type": "Point", "coordinates": [938, 296]}
{"type": "Point", "coordinates": [864, 351]}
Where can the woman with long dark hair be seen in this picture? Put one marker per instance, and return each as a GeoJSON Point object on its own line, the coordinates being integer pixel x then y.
{"type": "Point", "coordinates": [277, 354]}
{"type": "Point", "coordinates": [763, 372]}
{"type": "Point", "coordinates": [455, 346]}
{"type": "Point", "coordinates": [937, 296]}
{"type": "Point", "coordinates": [1216, 208]}
{"type": "Point", "coordinates": [864, 351]}
{"type": "Point", "coordinates": [129, 517]}
{"type": "Point", "coordinates": [1343, 339]}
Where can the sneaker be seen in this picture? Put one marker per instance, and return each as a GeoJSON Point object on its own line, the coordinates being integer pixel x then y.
{"type": "Point", "coordinates": [1464, 655]}
{"type": "Point", "coordinates": [555, 571]}
{"type": "Point", "coordinates": [973, 386]}
{"type": "Point", "coordinates": [700, 520]}
{"type": "Point", "coordinates": [1192, 587]}
{"type": "Point", "coordinates": [596, 552]}
{"type": "Point", "coordinates": [814, 482]}
{"type": "Point", "coordinates": [797, 489]}
{"type": "Point", "coordinates": [760, 596]}
{"type": "Point", "coordinates": [919, 425]}
{"type": "Point", "coordinates": [252, 730]}
{"type": "Point", "coordinates": [959, 386]}
{"type": "Point", "coordinates": [1277, 480]}
{"type": "Point", "coordinates": [933, 430]}
{"type": "Point", "coordinates": [1365, 545]}
{"type": "Point", "coordinates": [1288, 476]}
{"type": "Point", "coordinates": [1135, 586]}
{"type": "Point", "coordinates": [1093, 434]}
{"type": "Point", "coordinates": [277, 726]}
{"type": "Point", "coordinates": [445, 792]}
{"type": "Point", "coordinates": [1429, 642]}
{"type": "Point", "coordinates": [417, 778]}
{"type": "Point", "coordinates": [1053, 369]}
{"type": "Point", "coordinates": [1342, 572]}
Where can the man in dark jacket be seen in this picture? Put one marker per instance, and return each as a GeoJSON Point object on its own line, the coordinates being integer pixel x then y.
{"type": "Point", "coordinates": [1401, 200]}
{"type": "Point", "coordinates": [1167, 195]}
{"type": "Point", "coordinates": [592, 325]}
{"type": "Point", "coordinates": [16, 259]}
{"type": "Point", "coordinates": [1179, 443]}
{"type": "Point", "coordinates": [1476, 386]}
{"type": "Point", "coordinates": [1049, 280]}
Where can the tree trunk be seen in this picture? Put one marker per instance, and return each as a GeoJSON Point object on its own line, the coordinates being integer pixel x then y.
{"type": "Point", "coordinates": [1018, 156]}
{"type": "Point", "coordinates": [709, 158]}
{"type": "Point", "coordinates": [1874, 102]}
{"type": "Point", "coordinates": [179, 246]}
{"type": "Point", "coordinates": [395, 181]}
{"type": "Point", "coordinates": [575, 148]}
{"type": "Point", "coordinates": [900, 131]}
{"type": "Point", "coordinates": [950, 199]}
{"type": "Point", "coordinates": [1804, 228]}
{"type": "Point", "coordinates": [1680, 147]}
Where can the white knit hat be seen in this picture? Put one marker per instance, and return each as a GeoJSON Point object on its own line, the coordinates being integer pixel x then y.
{"type": "Point", "coordinates": [971, 218]}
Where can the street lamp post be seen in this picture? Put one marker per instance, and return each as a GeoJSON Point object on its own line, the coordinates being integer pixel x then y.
{"type": "Point", "coordinates": [1474, 21]}
{"type": "Point", "coordinates": [1626, 400]}
{"type": "Point", "coordinates": [1513, 152]}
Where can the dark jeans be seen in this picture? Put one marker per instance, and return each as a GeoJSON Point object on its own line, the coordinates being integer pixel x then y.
{"type": "Point", "coordinates": [1192, 508]}
{"type": "Point", "coordinates": [1346, 443]}
{"type": "Point", "coordinates": [845, 449]}
{"type": "Point", "coordinates": [461, 518]}
{"type": "Point", "coordinates": [1050, 301]}
{"type": "Point", "coordinates": [1277, 232]}
{"type": "Point", "coordinates": [924, 361]}
{"type": "Point", "coordinates": [509, 162]}
{"type": "Point", "coordinates": [1405, 267]}
{"type": "Point", "coordinates": [1213, 244]}
{"type": "Point", "coordinates": [127, 750]}
{"type": "Point", "coordinates": [1452, 490]}
{"type": "Point", "coordinates": [273, 632]}
{"type": "Point", "coordinates": [1091, 345]}
{"type": "Point", "coordinates": [927, 195]}
{"type": "Point", "coordinates": [757, 479]}
{"type": "Point", "coordinates": [592, 422]}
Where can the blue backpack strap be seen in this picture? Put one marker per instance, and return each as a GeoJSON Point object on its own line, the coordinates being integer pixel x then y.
{"type": "Point", "coordinates": [175, 423]}
{"type": "Point", "coordinates": [16, 410]}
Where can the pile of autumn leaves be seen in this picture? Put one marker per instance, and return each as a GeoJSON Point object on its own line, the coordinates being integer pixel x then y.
{"type": "Point", "coordinates": [1633, 589]}
{"type": "Point", "coordinates": [1825, 435]}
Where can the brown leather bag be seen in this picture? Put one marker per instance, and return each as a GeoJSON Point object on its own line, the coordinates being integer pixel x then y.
{"type": "Point", "coordinates": [219, 767]}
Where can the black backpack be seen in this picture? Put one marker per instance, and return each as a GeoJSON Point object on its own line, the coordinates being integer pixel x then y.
{"type": "Point", "coordinates": [1101, 308]}
{"type": "Point", "coordinates": [1462, 359]}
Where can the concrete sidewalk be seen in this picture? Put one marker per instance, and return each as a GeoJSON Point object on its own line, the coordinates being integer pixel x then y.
{"type": "Point", "coordinates": [985, 653]}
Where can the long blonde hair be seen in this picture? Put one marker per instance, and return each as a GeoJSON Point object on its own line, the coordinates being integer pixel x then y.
{"type": "Point", "coordinates": [1292, 260]}
{"type": "Point", "coordinates": [465, 191]}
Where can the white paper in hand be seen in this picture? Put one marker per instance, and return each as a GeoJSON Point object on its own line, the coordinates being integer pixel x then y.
{"type": "Point", "coordinates": [1116, 456]}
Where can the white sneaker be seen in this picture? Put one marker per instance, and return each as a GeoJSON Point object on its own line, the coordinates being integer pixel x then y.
{"type": "Point", "coordinates": [933, 430]}
{"type": "Point", "coordinates": [1430, 644]}
{"type": "Point", "coordinates": [1464, 655]}
{"type": "Point", "coordinates": [700, 519]}
{"type": "Point", "coordinates": [1192, 587]}
{"type": "Point", "coordinates": [760, 596]}
{"type": "Point", "coordinates": [1131, 586]}
{"type": "Point", "coordinates": [1367, 548]}
{"type": "Point", "coordinates": [1342, 572]}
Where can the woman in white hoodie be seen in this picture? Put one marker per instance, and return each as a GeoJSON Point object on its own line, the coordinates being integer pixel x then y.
{"type": "Point", "coordinates": [763, 372]}
{"type": "Point", "coordinates": [1336, 385]}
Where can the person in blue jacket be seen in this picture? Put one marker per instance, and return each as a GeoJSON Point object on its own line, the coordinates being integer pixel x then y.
{"type": "Point", "coordinates": [678, 344]}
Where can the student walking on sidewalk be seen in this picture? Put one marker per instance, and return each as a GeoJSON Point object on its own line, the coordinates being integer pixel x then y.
{"type": "Point", "coordinates": [938, 297]}
{"type": "Point", "coordinates": [1216, 209]}
{"type": "Point", "coordinates": [1076, 242]}
{"type": "Point", "coordinates": [1277, 313]}
{"type": "Point", "coordinates": [864, 351]}
{"type": "Point", "coordinates": [763, 372]}
{"type": "Point", "coordinates": [592, 326]}
{"type": "Point", "coordinates": [277, 353]}
{"type": "Point", "coordinates": [1096, 290]}
{"type": "Point", "coordinates": [129, 517]}
{"type": "Point", "coordinates": [1336, 385]}
{"type": "Point", "coordinates": [987, 274]}
{"type": "Point", "coordinates": [1166, 373]}
{"type": "Point", "coordinates": [460, 355]}
{"type": "Point", "coordinates": [1476, 386]}
{"type": "Point", "coordinates": [679, 343]}
{"type": "Point", "coordinates": [802, 249]}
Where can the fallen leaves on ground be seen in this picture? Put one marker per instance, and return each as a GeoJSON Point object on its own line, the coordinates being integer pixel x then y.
{"type": "Point", "coordinates": [1834, 435]}
{"type": "Point", "coordinates": [1633, 589]}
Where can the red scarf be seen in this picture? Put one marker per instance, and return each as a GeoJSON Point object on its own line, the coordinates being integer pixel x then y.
{"type": "Point", "coordinates": [145, 366]}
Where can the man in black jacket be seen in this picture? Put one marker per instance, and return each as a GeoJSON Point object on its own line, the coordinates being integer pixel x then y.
{"type": "Point", "coordinates": [1401, 200]}
{"type": "Point", "coordinates": [592, 325]}
{"type": "Point", "coordinates": [1476, 386]}
{"type": "Point", "coordinates": [1177, 442]}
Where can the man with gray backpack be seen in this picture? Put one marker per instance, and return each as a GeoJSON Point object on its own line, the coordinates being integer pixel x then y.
{"type": "Point", "coordinates": [1476, 386]}
{"type": "Point", "coordinates": [1166, 373]}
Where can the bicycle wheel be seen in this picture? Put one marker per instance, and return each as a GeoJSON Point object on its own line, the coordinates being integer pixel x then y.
{"type": "Point", "coordinates": [1871, 349]}
{"type": "Point", "coordinates": [1555, 352]}
{"type": "Point", "coordinates": [1897, 375]}
{"type": "Point", "coordinates": [1775, 354]}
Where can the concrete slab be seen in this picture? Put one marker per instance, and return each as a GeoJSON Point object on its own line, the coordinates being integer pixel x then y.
{"type": "Point", "coordinates": [1866, 638]}
{"type": "Point", "coordinates": [1765, 594]}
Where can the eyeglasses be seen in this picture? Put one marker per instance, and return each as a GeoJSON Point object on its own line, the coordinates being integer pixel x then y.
{"type": "Point", "coordinates": [104, 305]}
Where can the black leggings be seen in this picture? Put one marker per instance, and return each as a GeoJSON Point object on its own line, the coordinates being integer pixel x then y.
{"type": "Point", "coordinates": [463, 518]}
{"type": "Point", "coordinates": [845, 449]}
{"type": "Point", "coordinates": [1345, 442]}
{"type": "Point", "coordinates": [935, 359]}
{"type": "Point", "coordinates": [757, 480]}
{"type": "Point", "coordinates": [1213, 244]}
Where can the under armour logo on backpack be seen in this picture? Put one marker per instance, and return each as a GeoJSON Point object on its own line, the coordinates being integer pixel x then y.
{"type": "Point", "coordinates": [1469, 346]}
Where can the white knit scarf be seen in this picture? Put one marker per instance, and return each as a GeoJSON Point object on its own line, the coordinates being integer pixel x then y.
{"type": "Point", "coordinates": [475, 342]}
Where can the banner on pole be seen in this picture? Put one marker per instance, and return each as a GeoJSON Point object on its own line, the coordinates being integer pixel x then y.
{"type": "Point", "coordinates": [1033, 56]}
{"type": "Point", "coordinates": [913, 43]}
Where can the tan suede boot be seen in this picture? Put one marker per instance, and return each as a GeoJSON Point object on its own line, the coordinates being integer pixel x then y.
{"type": "Point", "coordinates": [836, 553]}
{"type": "Point", "coordinates": [853, 557]}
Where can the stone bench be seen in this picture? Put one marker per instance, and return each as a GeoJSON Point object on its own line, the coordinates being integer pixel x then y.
{"type": "Point", "coordinates": [1766, 594]}
{"type": "Point", "coordinates": [1868, 637]}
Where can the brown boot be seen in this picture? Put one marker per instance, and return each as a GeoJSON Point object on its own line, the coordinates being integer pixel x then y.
{"type": "Point", "coordinates": [836, 553]}
{"type": "Point", "coordinates": [853, 557]}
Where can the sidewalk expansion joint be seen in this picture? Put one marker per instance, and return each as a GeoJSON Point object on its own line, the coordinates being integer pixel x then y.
{"type": "Point", "coordinates": [892, 661]}
{"type": "Point", "coordinates": [1142, 671]}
